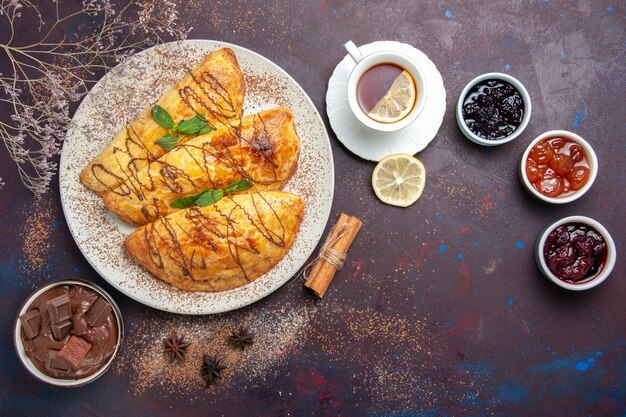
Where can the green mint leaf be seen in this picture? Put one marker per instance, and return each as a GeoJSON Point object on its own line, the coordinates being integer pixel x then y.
{"type": "Point", "coordinates": [238, 185]}
{"type": "Point", "coordinates": [184, 202]}
{"type": "Point", "coordinates": [168, 141]}
{"type": "Point", "coordinates": [162, 117]}
{"type": "Point", "coordinates": [192, 125]}
{"type": "Point", "coordinates": [205, 129]}
{"type": "Point", "coordinates": [210, 197]}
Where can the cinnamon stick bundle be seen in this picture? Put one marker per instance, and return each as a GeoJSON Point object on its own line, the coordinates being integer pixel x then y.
{"type": "Point", "coordinates": [332, 254]}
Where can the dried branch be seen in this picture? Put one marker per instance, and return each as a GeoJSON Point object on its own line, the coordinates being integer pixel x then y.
{"type": "Point", "coordinates": [45, 77]}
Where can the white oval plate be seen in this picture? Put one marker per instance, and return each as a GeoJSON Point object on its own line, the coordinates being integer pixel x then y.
{"type": "Point", "coordinates": [369, 143]}
{"type": "Point", "coordinates": [119, 96]}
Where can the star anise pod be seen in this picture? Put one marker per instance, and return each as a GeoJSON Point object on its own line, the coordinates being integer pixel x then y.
{"type": "Point", "coordinates": [211, 369]}
{"type": "Point", "coordinates": [241, 338]}
{"type": "Point", "coordinates": [175, 347]}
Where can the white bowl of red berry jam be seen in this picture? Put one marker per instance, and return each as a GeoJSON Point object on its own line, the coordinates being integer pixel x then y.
{"type": "Point", "coordinates": [576, 253]}
{"type": "Point", "coordinates": [558, 167]}
{"type": "Point", "coordinates": [493, 109]}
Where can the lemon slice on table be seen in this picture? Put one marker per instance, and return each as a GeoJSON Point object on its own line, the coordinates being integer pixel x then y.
{"type": "Point", "coordinates": [399, 180]}
{"type": "Point", "coordinates": [397, 102]}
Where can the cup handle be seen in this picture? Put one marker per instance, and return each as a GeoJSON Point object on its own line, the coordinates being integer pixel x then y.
{"type": "Point", "coordinates": [353, 51]}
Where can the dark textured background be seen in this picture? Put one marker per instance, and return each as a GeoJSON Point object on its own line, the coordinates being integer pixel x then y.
{"type": "Point", "coordinates": [497, 338]}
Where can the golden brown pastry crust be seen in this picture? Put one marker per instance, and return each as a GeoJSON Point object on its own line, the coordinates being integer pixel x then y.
{"type": "Point", "coordinates": [264, 149]}
{"type": "Point", "coordinates": [215, 88]}
{"type": "Point", "coordinates": [222, 246]}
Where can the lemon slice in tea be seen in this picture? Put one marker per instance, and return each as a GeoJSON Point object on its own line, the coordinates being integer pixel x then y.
{"type": "Point", "coordinates": [399, 180]}
{"type": "Point", "coordinates": [397, 102]}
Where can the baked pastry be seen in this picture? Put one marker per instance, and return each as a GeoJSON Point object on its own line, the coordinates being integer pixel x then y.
{"type": "Point", "coordinates": [215, 88]}
{"type": "Point", "coordinates": [222, 246]}
{"type": "Point", "coordinates": [263, 149]}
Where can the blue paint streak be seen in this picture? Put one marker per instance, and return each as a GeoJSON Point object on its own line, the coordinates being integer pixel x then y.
{"type": "Point", "coordinates": [578, 118]}
{"type": "Point", "coordinates": [562, 14]}
{"type": "Point", "coordinates": [507, 67]}
{"type": "Point", "coordinates": [334, 11]}
{"type": "Point", "coordinates": [481, 181]}
{"type": "Point", "coordinates": [442, 249]}
{"type": "Point", "coordinates": [511, 392]}
{"type": "Point", "coordinates": [609, 9]}
{"type": "Point", "coordinates": [459, 257]}
{"type": "Point", "coordinates": [557, 365]}
{"type": "Point", "coordinates": [519, 244]}
{"type": "Point", "coordinates": [474, 243]}
{"type": "Point", "coordinates": [510, 301]}
{"type": "Point", "coordinates": [448, 14]}
{"type": "Point", "coordinates": [582, 366]}
{"type": "Point", "coordinates": [8, 272]}
{"type": "Point", "coordinates": [440, 217]}
{"type": "Point", "coordinates": [565, 365]}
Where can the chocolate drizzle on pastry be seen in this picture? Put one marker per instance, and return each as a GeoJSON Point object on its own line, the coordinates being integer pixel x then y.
{"type": "Point", "coordinates": [215, 89]}
{"type": "Point", "coordinates": [207, 103]}
{"type": "Point", "coordinates": [262, 148]}
{"type": "Point", "coordinates": [221, 246]}
{"type": "Point", "coordinates": [204, 231]}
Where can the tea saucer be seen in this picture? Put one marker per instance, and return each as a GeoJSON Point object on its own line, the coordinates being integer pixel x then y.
{"type": "Point", "coordinates": [374, 145]}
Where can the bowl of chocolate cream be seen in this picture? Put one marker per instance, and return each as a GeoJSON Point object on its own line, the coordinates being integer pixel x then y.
{"type": "Point", "coordinates": [68, 333]}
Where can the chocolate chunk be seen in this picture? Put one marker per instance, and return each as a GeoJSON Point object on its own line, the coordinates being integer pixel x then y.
{"type": "Point", "coordinates": [98, 312]}
{"type": "Point", "coordinates": [60, 330]}
{"type": "Point", "coordinates": [59, 308]}
{"type": "Point", "coordinates": [53, 363]}
{"type": "Point", "coordinates": [31, 323]}
{"type": "Point", "coordinates": [79, 325]}
{"type": "Point", "coordinates": [74, 351]}
{"type": "Point", "coordinates": [91, 335]}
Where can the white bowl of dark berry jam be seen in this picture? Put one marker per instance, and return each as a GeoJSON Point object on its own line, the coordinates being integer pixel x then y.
{"type": "Point", "coordinates": [576, 253]}
{"type": "Point", "coordinates": [558, 167]}
{"type": "Point", "coordinates": [493, 109]}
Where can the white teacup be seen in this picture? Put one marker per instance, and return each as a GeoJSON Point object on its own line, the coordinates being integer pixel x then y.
{"type": "Point", "coordinates": [364, 63]}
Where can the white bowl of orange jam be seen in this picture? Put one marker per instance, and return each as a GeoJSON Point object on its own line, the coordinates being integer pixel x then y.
{"type": "Point", "coordinates": [558, 167]}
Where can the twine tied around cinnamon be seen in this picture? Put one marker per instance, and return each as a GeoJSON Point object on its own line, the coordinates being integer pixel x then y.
{"type": "Point", "coordinates": [327, 253]}
{"type": "Point", "coordinates": [320, 272]}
